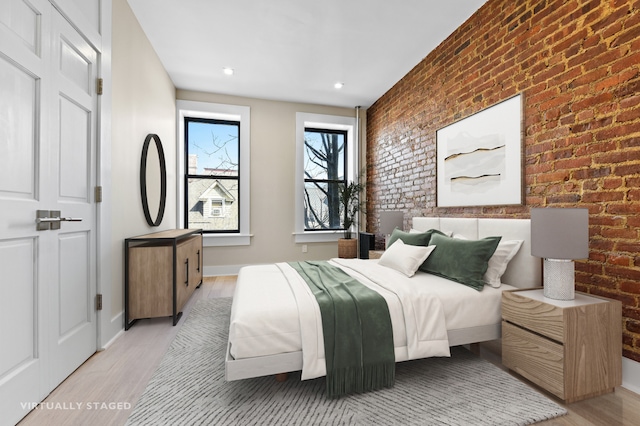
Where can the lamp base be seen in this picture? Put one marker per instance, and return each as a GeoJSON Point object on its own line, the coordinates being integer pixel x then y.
{"type": "Point", "coordinates": [559, 279]}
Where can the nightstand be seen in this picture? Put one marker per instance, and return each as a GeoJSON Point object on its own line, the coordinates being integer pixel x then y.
{"type": "Point", "coordinates": [573, 348]}
{"type": "Point", "coordinates": [375, 254]}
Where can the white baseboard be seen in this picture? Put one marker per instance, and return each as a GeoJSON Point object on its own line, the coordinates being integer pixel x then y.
{"type": "Point", "coordinates": [218, 271]}
{"type": "Point", "coordinates": [631, 375]}
{"type": "Point", "coordinates": [113, 330]}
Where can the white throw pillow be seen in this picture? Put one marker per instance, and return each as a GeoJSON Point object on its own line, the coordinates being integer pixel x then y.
{"type": "Point", "coordinates": [498, 262]}
{"type": "Point", "coordinates": [405, 258]}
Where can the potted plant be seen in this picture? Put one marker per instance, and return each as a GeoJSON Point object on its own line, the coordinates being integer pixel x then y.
{"type": "Point", "coordinates": [350, 205]}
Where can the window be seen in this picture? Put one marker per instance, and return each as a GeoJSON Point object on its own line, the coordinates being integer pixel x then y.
{"type": "Point", "coordinates": [213, 174]}
{"type": "Point", "coordinates": [325, 160]}
{"type": "Point", "coordinates": [217, 208]}
{"type": "Point", "coordinates": [324, 173]}
{"type": "Point", "coordinates": [214, 171]}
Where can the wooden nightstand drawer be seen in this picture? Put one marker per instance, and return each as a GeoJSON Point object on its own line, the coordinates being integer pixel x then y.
{"type": "Point", "coordinates": [534, 357]}
{"type": "Point", "coordinates": [572, 348]}
{"type": "Point", "coordinates": [533, 315]}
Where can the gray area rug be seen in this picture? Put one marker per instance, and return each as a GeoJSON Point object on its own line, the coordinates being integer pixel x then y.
{"type": "Point", "coordinates": [188, 388]}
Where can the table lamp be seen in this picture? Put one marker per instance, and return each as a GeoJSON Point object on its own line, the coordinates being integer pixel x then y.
{"type": "Point", "coordinates": [389, 221]}
{"type": "Point", "coordinates": [559, 235]}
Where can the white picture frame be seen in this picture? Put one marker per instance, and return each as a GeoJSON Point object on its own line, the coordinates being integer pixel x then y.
{"type": "Point", "coordinates": [479, 158]}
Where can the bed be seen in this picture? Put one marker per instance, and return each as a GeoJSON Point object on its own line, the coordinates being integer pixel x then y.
{"type": "Point", "coordinates": [271, 317]}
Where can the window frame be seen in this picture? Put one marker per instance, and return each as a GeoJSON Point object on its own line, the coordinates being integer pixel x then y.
{"type": "Point", "coordinates": [328, 122]}
{"type": "Point", "coordinates": [345, 165]}
{"type": "Point", "coordinates": [213, 177]}
{"type": "Point", "coordinates": [222, 112]}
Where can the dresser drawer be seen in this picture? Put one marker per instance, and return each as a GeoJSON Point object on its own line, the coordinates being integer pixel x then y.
{"type": "Point", "coordinates": [534, 357]}
{"type": "Point", "coordinates": [533, 315]}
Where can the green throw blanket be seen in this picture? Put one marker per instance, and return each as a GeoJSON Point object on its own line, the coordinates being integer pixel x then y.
{"type": "Point", "coordinates": [358, 338]}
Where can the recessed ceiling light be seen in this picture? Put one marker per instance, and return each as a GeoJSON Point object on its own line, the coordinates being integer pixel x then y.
{"type": "Point", "coordinates": [227, 71]}
{"type": "Point", "coordinates": [338, 85]}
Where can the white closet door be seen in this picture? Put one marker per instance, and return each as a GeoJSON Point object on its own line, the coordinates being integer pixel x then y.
{"type": "Point", "coordinates": [24, 54]}
{"type": "Point", "coordinates": [72, 182]}
{"type": "Point", "coordinates": [48, 133]}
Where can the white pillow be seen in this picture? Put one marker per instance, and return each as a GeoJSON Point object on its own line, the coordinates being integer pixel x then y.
{"type": "Point", "coordinates": [405, 258]}
{"type": "Point", "coordinates": [498, 262]}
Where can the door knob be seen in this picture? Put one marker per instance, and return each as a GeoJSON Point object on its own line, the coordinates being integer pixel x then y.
{"type": "Point", "coordinates": [46, 219]}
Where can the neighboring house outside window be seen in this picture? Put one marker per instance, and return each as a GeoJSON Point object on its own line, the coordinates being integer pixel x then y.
{"type": "Point", "coordinates": [215, 171]}
{"type": "Point", "coordinates": [325, 160]}
{"type": "Point", "coordinates": [213, 204]}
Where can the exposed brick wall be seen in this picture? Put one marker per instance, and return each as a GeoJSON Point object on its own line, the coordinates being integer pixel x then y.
{"type": "Point", "coordinates": [577, 64]}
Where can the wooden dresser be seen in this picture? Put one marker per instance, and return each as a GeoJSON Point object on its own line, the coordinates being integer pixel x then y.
{"type": "Point", "coordinates": [161, 272]}
{"type": "Point", "coordinates": [573, 348]}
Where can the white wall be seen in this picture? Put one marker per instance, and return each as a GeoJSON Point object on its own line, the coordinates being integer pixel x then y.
{"type": "Point", "coordinates": [143, 102]}
{"type": "Point", "coordinates": [143, 99]}
{"type": "Point", "coordinates": [273, 149]}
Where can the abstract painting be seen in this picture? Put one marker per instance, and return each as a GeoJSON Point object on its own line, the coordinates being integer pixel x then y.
{"type": "Point", "coordinates": [479, 158]}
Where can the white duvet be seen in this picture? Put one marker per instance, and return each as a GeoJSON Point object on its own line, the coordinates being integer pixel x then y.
{"type": "Point", "coordinates": [275, 312]}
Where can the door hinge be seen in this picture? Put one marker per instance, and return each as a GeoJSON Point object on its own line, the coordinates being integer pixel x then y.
{"type": "Point", "coordinates": [98, 194]}
{"type": "Point", "coordinates": [98, 302]}
{"type": "Point", "coordinates": [99, 83]}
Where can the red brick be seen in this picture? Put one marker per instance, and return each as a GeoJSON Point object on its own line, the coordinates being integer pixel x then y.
{"type": "Point", "coordinates": [612, 183]}
{"type": "Point", "coordinates": [630, 115]}
{"type": "Point", "coordinates": [618, 131]}
{"type": "Point", "coordinates": [615, 80]}
{"type": "Point", "coordinates": [626, 62]}
{"type": "Point", "coordinates": [599, 197]}
{"type": "Point", "coordinates": [630, 102]}
{"type": "Point", "coordinates": [626, 170]}
{"type": "Point", "coordinates": [572, 163]}
{"type": "Point", "coordinates": [612, 157]}
{"type": "Point", "coordinates": [632, 142]}
{"type": "Point", "coordinates": [627, 36]}
{"type": "Point", "coordinates": [595, 148]}
{"type": "Point", "coordinates": [630, 312]}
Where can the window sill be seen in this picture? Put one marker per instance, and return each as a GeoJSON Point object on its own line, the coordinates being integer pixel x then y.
{"type": "Point", "coordinates": [318, 236]}
{"type": "Point", "coordinates": [222, 240]}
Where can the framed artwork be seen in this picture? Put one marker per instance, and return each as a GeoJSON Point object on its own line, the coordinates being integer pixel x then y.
{"type": "Point", "coordinates": [479, 158]}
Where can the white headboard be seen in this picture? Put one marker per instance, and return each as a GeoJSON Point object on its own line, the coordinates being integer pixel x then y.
{"type": "Point", "coordinates": [523, 271]}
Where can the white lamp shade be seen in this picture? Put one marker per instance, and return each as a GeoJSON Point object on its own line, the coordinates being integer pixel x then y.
{"type": "Point", "coordinates": [560, 233]}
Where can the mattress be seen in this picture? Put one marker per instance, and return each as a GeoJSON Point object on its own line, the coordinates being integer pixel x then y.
{"type": "Point", "coordinates": [265, 321]}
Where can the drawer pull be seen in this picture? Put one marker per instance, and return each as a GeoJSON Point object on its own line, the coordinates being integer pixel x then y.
{"type": "Point", "coordinates": [198, 268]}
{"type": "Point", "coordinates": [186, 281]}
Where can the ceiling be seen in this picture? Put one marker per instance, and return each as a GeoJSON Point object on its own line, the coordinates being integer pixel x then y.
{"type": "Point", "coordinates": [296, 50]}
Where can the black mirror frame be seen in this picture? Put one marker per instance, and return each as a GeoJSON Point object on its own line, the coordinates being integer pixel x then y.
{"type": "Point", "coordinates": [143, 180]}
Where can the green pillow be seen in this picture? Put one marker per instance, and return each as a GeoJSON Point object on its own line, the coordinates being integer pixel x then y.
{"type": "Point", "coordinates": [412, 238]}
{"type": "Point", "coordinates": [463, 261]}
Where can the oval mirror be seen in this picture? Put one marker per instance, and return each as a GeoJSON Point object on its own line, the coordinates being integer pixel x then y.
{"type": "Point", "coordinates": [153, 179]}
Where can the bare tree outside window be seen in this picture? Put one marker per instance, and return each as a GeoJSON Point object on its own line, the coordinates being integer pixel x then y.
{"type": "Point", "coordinates": [325, 173]}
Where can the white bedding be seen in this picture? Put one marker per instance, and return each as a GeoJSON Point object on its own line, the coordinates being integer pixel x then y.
{"type": "Point", "coordinates": [425, 305]}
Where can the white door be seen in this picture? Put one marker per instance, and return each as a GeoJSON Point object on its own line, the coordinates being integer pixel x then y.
{"type": "Point", "coordinates": [47, 162]}
{"type": "Point", "coordinates": [71, 183]}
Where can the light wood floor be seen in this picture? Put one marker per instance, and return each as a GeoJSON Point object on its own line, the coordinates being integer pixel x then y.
{"type": "Point", "coordinates": [119, 375]}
